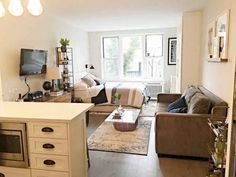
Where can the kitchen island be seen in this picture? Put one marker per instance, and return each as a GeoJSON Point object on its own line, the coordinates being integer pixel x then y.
{"type": "Point", "coordinates": [55, 139]}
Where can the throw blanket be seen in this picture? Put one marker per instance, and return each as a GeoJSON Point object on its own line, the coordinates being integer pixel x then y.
{"type": "Point", "coordinates": [132, 94]}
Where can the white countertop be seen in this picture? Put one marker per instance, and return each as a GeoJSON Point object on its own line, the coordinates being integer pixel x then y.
{"type": "Point", "coordinates": [22, 111]}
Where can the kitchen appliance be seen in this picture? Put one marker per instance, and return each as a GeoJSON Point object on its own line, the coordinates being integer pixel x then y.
{"type": "Point", "coordinates": [13, 145]}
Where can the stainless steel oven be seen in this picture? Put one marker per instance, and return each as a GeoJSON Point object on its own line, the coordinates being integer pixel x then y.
{"type": "Point", "coordinates": [13, 145]}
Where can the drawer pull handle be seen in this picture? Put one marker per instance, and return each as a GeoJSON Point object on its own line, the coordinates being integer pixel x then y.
{"type": "Point", "coordinates": [48, 146]}
{"type": "Point", "coordinates": [49, 162]}
{"type": "Point", "coordinates": [2, 175]}
{"type": "Point", "coordinates": [47, 129]}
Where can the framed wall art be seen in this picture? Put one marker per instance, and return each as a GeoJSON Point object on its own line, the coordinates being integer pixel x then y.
{"type": "Point", "coordinates": [222, 30]}
{"type": "Point", "coordinates": [172, 51]}
{"type": "Point", "coordinates": [217, 38]}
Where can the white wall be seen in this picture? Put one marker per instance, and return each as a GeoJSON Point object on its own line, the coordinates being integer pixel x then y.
{"type": "Point", "coordinates": [43, 32]}
{"type": "Point", "coordinates": [219, 77]}
{"type": "Point", "coordinates": [191, 37]}
{"type": "Point", "coordinates": [96, 51]}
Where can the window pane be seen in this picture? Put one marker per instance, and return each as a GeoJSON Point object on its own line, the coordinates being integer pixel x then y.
{"type": "Point", "coordinates": [154, 46]}
{"type": "Point", "coordinates": [154, 68]}
{"type": "Point", "coordinates": [132, 56]}
{"type": "Point", "coordinates": [111, 68]}
{"type": "Point", "coordinates": [110, 47]}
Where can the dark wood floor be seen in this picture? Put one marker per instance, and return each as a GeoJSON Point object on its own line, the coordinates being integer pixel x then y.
{"type": "Point", "coordinates": [108, 164]}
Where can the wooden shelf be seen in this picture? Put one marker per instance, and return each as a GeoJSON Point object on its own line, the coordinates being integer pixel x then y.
{"type": "Point", "coordinates": [217, 60]}
{"type": "Point", "coordinates": [65, 62]}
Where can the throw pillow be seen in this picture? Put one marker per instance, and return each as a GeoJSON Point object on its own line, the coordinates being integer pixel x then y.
{"type": "Point", "coordinates": [190, 92]}
{"type": "Point", "coordinates": [179, 110]}
{"type": "Point", "coordinates": [199, 104]}
{"type": "Point", "coordinates": [97, 82]}
{"type": "Point", "coordinates": [88, 80]}
{"type": "Point", "coordinates": [179, 103]}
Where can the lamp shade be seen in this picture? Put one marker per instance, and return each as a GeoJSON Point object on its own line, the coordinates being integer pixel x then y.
{"type": "Point", "coordinates": [53, 73]}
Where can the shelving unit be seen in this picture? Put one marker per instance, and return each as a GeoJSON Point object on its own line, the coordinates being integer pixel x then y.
{"type": "Point", "coordinates": [217, 148]}
{"type": "Point", "coordinates": [65, 63]}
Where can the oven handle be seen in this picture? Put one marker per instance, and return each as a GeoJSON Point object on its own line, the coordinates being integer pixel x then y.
{"type": "Point", "coordinates": [2, 175]}
{"type": "Point", "coordinates": [49, 162]}
{"type": "Point", "coordinates": [47, 129]}
{"type": "Point", "coordinates": [48, 146]}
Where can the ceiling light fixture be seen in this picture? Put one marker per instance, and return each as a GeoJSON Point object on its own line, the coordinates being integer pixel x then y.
{"type": "Point", "coordinates": [35, 7]}
{"type": "Point", "coordinates": [2, 10]}
{"type": "Point", "coordinates": [15, 8]}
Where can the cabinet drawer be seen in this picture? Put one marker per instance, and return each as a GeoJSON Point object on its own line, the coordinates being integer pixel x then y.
{"type": "Point", "coordinates": [49, 162]}
{"type": "Point", "coordinates": [47, 130]}
{"type": "Point", "coordinates": [43, 173]}
{"type": "Point", "coordinates": [48, 146]}
{"type": "Point", "coordinates": [14, 172]}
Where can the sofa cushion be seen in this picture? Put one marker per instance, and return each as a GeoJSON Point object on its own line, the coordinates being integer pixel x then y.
{"type": "Point", "coordinates": [162, 107]}
{"type": "Point", "coordinates": [179, 103]}
{"type": "Point", "coordinates": [199, 104]}
{"type": "Point", "coordinates": [190, 92]}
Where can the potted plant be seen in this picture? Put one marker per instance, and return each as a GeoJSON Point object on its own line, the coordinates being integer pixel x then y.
{"type": "Point", "coordinates": [64, 43]}
{"type": "Point", "coordinates": [119, 108]}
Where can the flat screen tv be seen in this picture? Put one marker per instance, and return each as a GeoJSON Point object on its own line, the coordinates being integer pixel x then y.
{"type": "Point", "coordinates": [33, 62]}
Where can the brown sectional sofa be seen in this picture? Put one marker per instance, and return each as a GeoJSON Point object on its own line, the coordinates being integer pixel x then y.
{"type": "Point", "coordinates": [186, 134]}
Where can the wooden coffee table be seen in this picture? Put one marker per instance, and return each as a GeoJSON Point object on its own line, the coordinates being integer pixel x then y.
{"type": "Point", "coordinates": [127, 122]}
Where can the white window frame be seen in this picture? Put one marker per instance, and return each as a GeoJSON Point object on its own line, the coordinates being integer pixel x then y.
{"type": "Point", "coordinates": [121, 59]}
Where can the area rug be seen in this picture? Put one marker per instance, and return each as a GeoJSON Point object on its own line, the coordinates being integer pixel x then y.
{"type": "Point", "coordinates": [106, 138]}
{"type": "Point", "coordinates": [149, 109]}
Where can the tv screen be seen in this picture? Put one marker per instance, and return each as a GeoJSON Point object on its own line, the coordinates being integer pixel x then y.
{"type": "Point", "coordinates": [33, 62]}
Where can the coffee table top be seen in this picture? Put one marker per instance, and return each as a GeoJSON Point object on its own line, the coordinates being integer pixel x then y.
{"type": "Point", "coordinates": [129, 116]}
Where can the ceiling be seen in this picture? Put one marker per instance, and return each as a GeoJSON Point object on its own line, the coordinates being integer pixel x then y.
{"type": "Point", "coordinates": [105, 15]}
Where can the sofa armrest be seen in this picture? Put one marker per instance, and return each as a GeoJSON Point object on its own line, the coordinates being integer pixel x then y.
{"type": "Point", "coordinates": [167, 97]}
{"type": "Point", "coordinates": [219, 112]}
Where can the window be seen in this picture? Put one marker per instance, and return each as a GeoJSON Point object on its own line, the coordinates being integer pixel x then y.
{"type": "Point", "coordinates": [154, 46]}
{"type": "Point", "coordinates": [133, 57]}
{"type": "Point", "coordinates": [111, 57]}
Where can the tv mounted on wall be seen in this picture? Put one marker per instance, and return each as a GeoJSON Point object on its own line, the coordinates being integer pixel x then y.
{"type": "Point", "coordinates": [33, 62]}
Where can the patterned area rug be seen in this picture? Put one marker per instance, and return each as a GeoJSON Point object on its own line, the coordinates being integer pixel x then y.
{"type": "Point", "coordinates": [106, 138]}
{"type": "Point", "coordinates": [149, 109]}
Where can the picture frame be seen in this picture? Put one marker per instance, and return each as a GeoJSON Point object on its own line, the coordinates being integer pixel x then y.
{"type": "Point", "coordinates": [172, 51]}
{"type": "Point", "coordinates": [217, 38]}
{"type": "Point", "coordinates": [211, 39]}
{"type": "Point", "coordinates": [222, 31]}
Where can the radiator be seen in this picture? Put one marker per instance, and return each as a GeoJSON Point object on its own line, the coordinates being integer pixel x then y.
{"type": "Point", "coordinates": [154, 89]}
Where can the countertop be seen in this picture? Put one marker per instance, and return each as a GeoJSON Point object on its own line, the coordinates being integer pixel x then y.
{"type": "Point", "coordinates": [23, 111]}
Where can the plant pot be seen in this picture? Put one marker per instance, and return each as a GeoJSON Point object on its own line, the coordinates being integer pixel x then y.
{"type": "Point", "coordinates": [63, 48]}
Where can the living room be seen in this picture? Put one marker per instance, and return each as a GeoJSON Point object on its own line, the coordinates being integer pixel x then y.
{"type": "Point", "coordinates": [84, 23]}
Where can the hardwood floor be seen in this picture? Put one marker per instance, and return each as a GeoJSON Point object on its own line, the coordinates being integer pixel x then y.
{"type": "Point", "coordinates": [108, 164]}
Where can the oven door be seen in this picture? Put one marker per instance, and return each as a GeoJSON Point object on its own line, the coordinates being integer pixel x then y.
{"type": "Point", "coordinates": [13, 147]}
